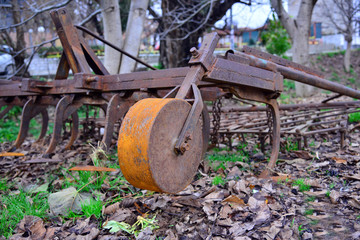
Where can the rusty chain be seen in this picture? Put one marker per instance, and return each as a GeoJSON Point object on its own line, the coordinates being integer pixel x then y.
{"type": "Point", "coordinates": [216, 117]}
{"type": "Point", "coordinates": [270, 122]}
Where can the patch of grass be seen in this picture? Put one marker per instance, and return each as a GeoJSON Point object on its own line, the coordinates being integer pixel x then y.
{"type": "Point", "coordinates": [328, 193]}
{"type": "Point", "coordinates": [221, 159]}
{"type": "Point", "coordinates": [94, 207]}
{"type": "Point", "coordinates": [354, 117]}
{"type": "Point", "coordinates": [352, 80]}
{"type": "Point", "coordinates": [335, 77]}
{"type": "Point", "coordinates": [309, 212]}
{"type": "Point", "coordinates": [288, 84]}
{"type": "Point", "coordinates": [4, 186]}
{"type": "Point", "coordinates": [13, 208]}
{"type": "Point", "coordinates": [291, 145]}
{"type": "Point", "coordinates": [302, 185]}
{"type": "Point", "coordinates": [218, 180]}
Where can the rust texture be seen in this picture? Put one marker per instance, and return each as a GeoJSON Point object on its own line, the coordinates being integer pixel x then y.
{"type": "Point", "coordinates": [165, 127]}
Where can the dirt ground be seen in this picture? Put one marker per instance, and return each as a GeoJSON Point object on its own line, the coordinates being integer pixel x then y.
{"type": "Point", "coordinates": [313, 193]}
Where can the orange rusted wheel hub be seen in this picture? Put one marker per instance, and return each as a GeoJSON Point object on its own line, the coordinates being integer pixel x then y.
{"type": "Point", "coordinates": [146, 145]}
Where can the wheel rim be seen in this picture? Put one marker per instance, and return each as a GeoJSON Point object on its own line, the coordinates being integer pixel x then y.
{"type": "Point", "coordinates": [146, 146]}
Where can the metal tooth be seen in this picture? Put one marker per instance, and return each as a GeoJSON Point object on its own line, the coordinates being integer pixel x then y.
{"type": "Point", "coordinates": [31, 110]}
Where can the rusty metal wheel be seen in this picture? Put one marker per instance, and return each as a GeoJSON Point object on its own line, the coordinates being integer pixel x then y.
{"type": "Point", "coordinates": [146, 145]}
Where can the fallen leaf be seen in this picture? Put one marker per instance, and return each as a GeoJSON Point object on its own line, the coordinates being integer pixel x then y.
{"type": "Point", "coordinates": [115, 226]}
{"type": "Point", "coordinates": [234, 199]}
{"type": "Point", "coordinates": [67, 199]}
{"type": "Point", "coordinates": [353, 177]}
{"type": "Point", "coordinates": [112, 208]}
{"type": "Point", "coordinates": [282, 177]}
{"type": "Point", "coordinates": [92, 168]}
{"type": "Point", "coordinates": [11, 154]}
{"type": "Point", "coordinates": [32, 225]}
{"type": "Point", "coordinates": [339, 160]}
{"type": "Point", "coordinates": [334, 196]}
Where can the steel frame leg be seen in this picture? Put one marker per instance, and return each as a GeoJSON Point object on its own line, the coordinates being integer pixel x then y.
{"type": "Point", "coordinates": [116, 109]}
{"type": "Point", "coordinates": [274, 108]}
{"type": "Point", "coordinates": [63, 110]}
{"type": "Point", "coordinates": [31, 110]}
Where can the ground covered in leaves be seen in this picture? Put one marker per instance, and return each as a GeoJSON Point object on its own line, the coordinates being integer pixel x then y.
{"type": "Point", "coordinates": [313, 193]}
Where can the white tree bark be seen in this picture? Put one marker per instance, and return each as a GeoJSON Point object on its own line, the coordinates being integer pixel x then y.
{"type": "Point", "coordinates": [112, 33]}
{"type": "Point", "coordinates": [134, 29]}
{"type": "Point", "coordinates": [298, 30]}
{"type": "Point", "coordinates": [347, 57]}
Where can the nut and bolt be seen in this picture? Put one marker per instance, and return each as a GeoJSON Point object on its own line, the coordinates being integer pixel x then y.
{"type": "Point", "coordinates": [194, 52]}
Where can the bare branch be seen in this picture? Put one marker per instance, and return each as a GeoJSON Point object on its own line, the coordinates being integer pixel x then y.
{"type": "Point", "coordinates": [37, 12]}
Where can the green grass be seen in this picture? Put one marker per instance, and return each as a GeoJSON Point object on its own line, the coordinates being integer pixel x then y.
{"type": "Point", "coordinates": [335, 77]}
{"type": "Point", "coordinates": [218, 180]}
{"type": "Point", "coordinates": [302, 185]}
{"type": "Point", "coordinates": [354, 117]}
{"type": "Point", "coordinates": [288, 84]}
{"type": "Point", "coordinates": [13, 208]}
{"type": "Point", "coordinates": [309, 212]}
{"type": "Point", "coordinates": [94, 208]}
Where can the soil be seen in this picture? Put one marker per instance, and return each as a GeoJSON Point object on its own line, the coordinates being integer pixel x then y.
{"type": "Point", "coordinates": [240, 206]}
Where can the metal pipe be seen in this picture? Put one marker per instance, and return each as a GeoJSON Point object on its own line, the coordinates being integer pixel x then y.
{"type": "Point", "coordinates": [113, 46]}
{"type": "Point", "coordinates": [299, 76]}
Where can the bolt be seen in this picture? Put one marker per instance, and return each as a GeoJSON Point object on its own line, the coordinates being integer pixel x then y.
{"type": "Point", "coordinates": [194, 52]}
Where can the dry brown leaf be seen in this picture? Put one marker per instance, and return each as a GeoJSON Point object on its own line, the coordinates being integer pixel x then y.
{"type": "Point", "coordinates": [92, 168]}
{"type": "Point", "coordinates": [353, 177]}
{"type": "Point", "coordinates": [339, 160]}
{"type": "Point", "coordinates": [11, 154]}
{"type": "Point", "coordinates": [281, 177]}
{"type": "Point", "coordinates": [112, 208]}
{"type": "Point", "coordinates": [234, 199]}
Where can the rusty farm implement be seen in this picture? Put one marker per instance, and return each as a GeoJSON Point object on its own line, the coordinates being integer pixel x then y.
{"type": "Point", "coordinates": [165, 126]}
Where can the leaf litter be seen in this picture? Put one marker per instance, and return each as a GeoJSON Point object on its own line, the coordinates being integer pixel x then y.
{"type": "Point", "coordinates": [240, 206]}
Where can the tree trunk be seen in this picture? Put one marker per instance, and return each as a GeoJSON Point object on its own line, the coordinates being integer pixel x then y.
{"type": "Point", "coordinates": [347, 57]}
{"type": "Point", "coordinates": [134, 29]}
{"type": "Point", "coordinates": [20, 40]}
{"type": "Point", "coordinates": [112, 33]}
{"type": "Point", "coordinates": [298, 30]}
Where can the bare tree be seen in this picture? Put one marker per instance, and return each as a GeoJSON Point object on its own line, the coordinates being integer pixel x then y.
{"type": "Point", "coordinates": [112, 33]}
{"type": "Point", "coordinates": [298, 29]}
{"type": "Point", "coordinates": [134, 29]}
{"type": "Point", "coordinates": [183, 22]}
{"type": "Point", "coordinates": [343, 14]}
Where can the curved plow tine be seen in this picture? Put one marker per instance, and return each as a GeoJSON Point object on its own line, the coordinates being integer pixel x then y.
{"type": "Point", "coordinates": [5, 111]}
{"type": "Point", "coordinates": [275, 114]}
{"type": "Point", "coordinates": [116, 109]}
{"type": "Point", "coordinates": [58, 122]}
{"type": "Point", "coordinates": [30, 111]}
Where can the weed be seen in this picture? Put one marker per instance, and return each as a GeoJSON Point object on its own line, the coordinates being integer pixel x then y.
{"type": "Point", "coordinates": [218, 180]}
{"type": "Point", "coordinates": [335, 77]}
{"type": "Point", "coordinates": [94, 207]}
{"type": "Point", "coordinates": [319, 57]}
{"type": "Point", "coordinates": [309, 212]}
{"type": "Point", "coordinates": [332, 185]}
{"type": "Point", "coordinates": [136, 228]}
{"type": "Point", "coordinates": [290, 145]}
{"type": "Point", "coordinates": [354, 117]}
{"type": "Point", "coordinates": [328, 193]}
{"type": "Point", "coordinates": [301, 229]}
{"type": "Point", "coordinates": [331, 54]}
{"type": "Point", "coordinates": [4, 186]}
{"type": "Point", "coordinates": [288, 84]}
{"type": "Point", "coordinates": [351, 80]}
{"type": "Point", "coordinates": [13, 208]}
{"type": "Point", "coordinates": [302, 185]}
